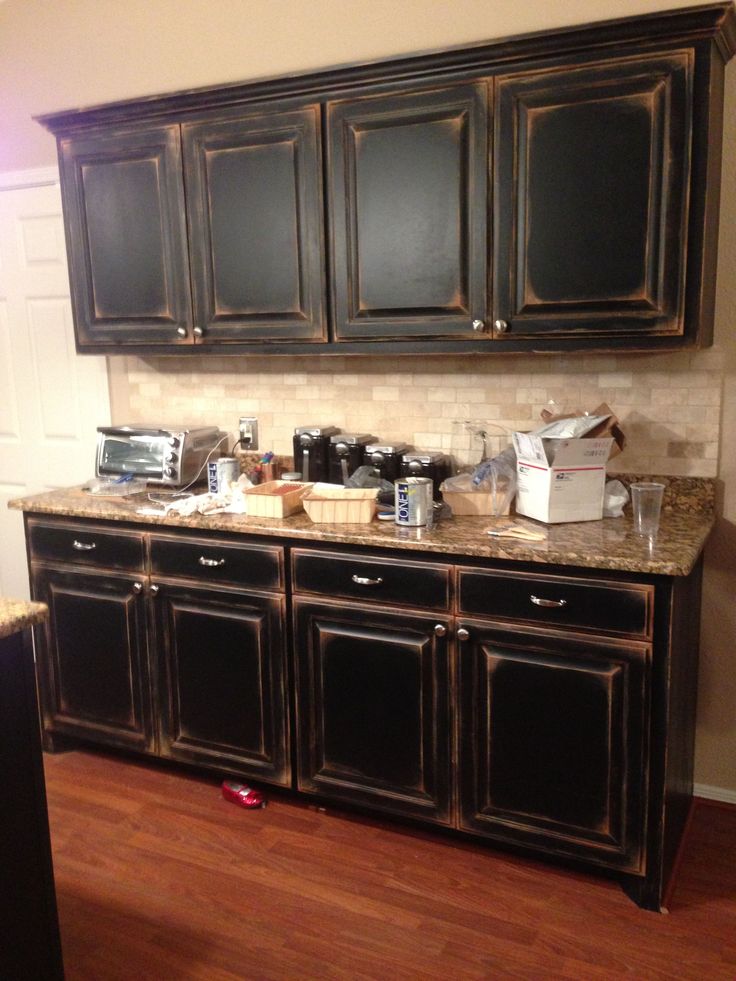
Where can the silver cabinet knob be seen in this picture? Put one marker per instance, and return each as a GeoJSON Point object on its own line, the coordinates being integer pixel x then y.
{"type": "Point", "coordinates": [440, 630]}
{"type": "Point", "coordinates": [462, 634]}
{"type": "Point", "coordinates": [501, 326]}
{"type": "Point", "coordinates": [198, 332]}
{"type": "Point", "coordinates": [154, 589]}
{"type": "Point", "coordinates": [137, 587]}
{"type": "Point", "coordinates": [181, 331]}
{"type": "Point", "coordinates": [479, 326]}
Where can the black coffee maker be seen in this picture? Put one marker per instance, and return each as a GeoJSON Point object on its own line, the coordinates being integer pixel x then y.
{"type": "Point", "coordinates": [346, 455]}
{"type": "Point", "coordinates": [311, 451]}
{"type": "Point", "coordinates": [384, 458]}
{"type": "Point", "coordinates": [436, 466]}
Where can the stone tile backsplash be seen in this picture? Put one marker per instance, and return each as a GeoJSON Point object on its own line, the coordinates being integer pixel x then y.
{"type": "Point", "coordinates": [669, 405]}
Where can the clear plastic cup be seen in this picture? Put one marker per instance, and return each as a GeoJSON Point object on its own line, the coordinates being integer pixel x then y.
{"type": "Point", "coordinates": [646, 500]}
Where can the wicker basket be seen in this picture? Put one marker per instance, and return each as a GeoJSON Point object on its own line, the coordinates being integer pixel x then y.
{"type": "Point", "coordinates": [269, 501]}
{"type": "Point", "coordinates": [331, 504]}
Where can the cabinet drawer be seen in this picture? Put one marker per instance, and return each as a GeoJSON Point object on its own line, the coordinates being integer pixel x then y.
{"type": "Point", "coordinates": [615, 607]}
{"type": "Point", "coordinates": [372, 580]}
{"type": "Point", "coordinates": [83, 544]}
{"type": "Point", "coordinates": [218, 561]}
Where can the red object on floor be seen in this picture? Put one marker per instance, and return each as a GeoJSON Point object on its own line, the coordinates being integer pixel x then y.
{"type": "Point", "coordinates": [239, 793]}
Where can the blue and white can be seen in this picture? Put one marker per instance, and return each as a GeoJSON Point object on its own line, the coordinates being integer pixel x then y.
{"type": "Point", "coordinates": [222, 473]}
{"type": "Point", "coordinates": [412, 500]}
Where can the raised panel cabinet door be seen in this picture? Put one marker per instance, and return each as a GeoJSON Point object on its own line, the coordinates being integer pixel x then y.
{"type": "Point", "coordinates": [123, 196]}
{"type": "Point", "coordinates": [552, 742]}
{"type": "Point", "coordinates": [408, 200]}
{"type": "Point", "coordinates": [372, 709]}
{"type": "Point", "coordinates": [591, 196]}
{"type": "Point", "coordinates": [92, 658]}
{"type": "Point", "coordinates": [223, 688]}
{"type": "Point", "coordinates": [254, 195]}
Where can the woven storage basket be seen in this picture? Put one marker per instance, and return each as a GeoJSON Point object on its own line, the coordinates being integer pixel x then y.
{"type": "Point", "coordinates": [269, 501]}
{"type": "Point", "coordinates": [331, 504]}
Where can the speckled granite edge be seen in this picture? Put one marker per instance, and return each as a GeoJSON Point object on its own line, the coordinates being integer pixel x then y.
{"type": "Point", "coordinates": [16, 615]}
{"type": "Point", "coordinates": [609, 544]}
{"type": "Point", "coordinates": [691, 494]}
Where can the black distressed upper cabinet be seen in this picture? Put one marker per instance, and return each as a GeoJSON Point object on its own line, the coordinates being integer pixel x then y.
{"type": "Point", "coordinates": [591, 187]}
{"type": "Point", "coordinates": [249, 190]}
{"type": "Point", "coordinates": [408, 206]}
{"type": "Point", "coordinates": [557, 191]}
{"type": "Point", "coordinates": [123, 196]}
{"type": "Point", "coordinates": [254, 198]}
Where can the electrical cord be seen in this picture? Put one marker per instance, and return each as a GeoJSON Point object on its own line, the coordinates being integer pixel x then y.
{"type": "Point", "coordinates": [182, 492]}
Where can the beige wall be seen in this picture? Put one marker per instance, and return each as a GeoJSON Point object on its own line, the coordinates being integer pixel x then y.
{"type": "Point", "coordinates": [679, 411]}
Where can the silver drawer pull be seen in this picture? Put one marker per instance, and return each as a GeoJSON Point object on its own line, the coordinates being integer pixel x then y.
{"type": "Point", "coordinates": [537, 601]}
{"type": "Point", "coordinates": [365, 581]}
{"type": "Point", "coordinates": [211, 563]}
{"type": "Point", "coordinates": [83, 546]}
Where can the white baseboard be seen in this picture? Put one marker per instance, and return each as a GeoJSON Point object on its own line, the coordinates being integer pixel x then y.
{"type": "Point", "coordinates": [36, 177]}
{"type": "Point", "coordinates": [714, 793]}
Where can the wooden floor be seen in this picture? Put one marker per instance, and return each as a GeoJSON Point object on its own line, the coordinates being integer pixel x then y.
{"type": "Point", "coordinates": [158, 877]}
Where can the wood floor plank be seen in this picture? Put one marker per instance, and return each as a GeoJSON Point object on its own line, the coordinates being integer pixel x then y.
{"type": "Point", "coordinates": [158, 877]}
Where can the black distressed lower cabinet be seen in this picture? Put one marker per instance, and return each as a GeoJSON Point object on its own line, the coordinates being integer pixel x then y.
{"type": "Point", "coordinates": [222, 695]}
{"type": "Point", "coordinates": [552, 741]}
{"type": "Point", "coordinates": [178, 652]}
{"type": "Point", "coordinates": [540, 707]}
{"type": "Point", "coordinates": [92, 658]}
{"type": "Point", "coordinates": [373, 708]}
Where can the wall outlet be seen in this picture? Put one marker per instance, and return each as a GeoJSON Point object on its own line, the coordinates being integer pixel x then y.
{"type": "Point", "coordinates": [248, 432]}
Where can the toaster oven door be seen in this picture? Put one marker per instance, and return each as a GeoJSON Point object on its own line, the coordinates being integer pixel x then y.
{"type": "Point", "coordinates": [143, 455]}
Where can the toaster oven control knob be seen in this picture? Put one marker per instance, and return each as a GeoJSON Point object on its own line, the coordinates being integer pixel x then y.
{"type": "Point", "coordinates": [172, 457]}
{"type": "Point", "coordinates": [173, 441]}
{"type": "Point", "coordinates": [170, 472]}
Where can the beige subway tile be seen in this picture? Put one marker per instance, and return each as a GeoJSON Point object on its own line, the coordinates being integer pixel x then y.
{"type": "Point", "coordinates": [442, 394]}
{"type": "Point", "coordinates": [705, 396]}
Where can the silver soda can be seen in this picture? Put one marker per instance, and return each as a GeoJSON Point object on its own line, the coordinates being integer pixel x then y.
{"type": "Point", "coordinates": [413, 500]}
{"type": "Point", "coordinates": [221, 473]}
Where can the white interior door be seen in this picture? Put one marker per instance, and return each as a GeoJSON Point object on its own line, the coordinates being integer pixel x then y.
{"type": "Point", "coordinates": [51, 398]}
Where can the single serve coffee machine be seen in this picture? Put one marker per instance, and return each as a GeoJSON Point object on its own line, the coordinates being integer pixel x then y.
{"type": "Point", "coordinates": [311, 451]}
{"type": "Point", "coordinates": [346, 454]}
{"type": "Point", "coordinates": [384, 458]}
{"type": "Point", "coordinates": [436, 466]}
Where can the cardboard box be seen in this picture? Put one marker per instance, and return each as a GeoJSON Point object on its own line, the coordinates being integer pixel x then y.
{"type": "Point", "coordinates": [560, 479]}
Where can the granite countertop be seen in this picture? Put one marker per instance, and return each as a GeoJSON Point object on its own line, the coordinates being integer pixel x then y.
{"type": "Point", "coordinates": [16, 615]}
{"type": "Point", "coordinates": [607, 544]}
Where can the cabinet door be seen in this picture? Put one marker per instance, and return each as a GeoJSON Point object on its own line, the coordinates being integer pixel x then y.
{"type": "Point", "coordinates": [223, 693]}
{"type": "Point", "coordinates": [254, 195]}
{"type": "Point", "coordinates": [591, 189]}
{"type": "Point", "coordinates": [552, 741]}
{"type": "Point", "coordinates": [92, 658]}
{"type": "Point", "coordinates": [123, 199]}
{"type": "Point", "coordinates": [372, 708]}
{"type": "Point", "coordinates": [408, 200]}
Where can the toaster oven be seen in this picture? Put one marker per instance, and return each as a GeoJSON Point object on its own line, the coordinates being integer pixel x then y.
{"type": "Point", "coordinates": [171, 457]}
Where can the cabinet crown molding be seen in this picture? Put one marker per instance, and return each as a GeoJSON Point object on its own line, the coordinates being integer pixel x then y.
{"type": "Point", "coordinates": [715, 22]}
